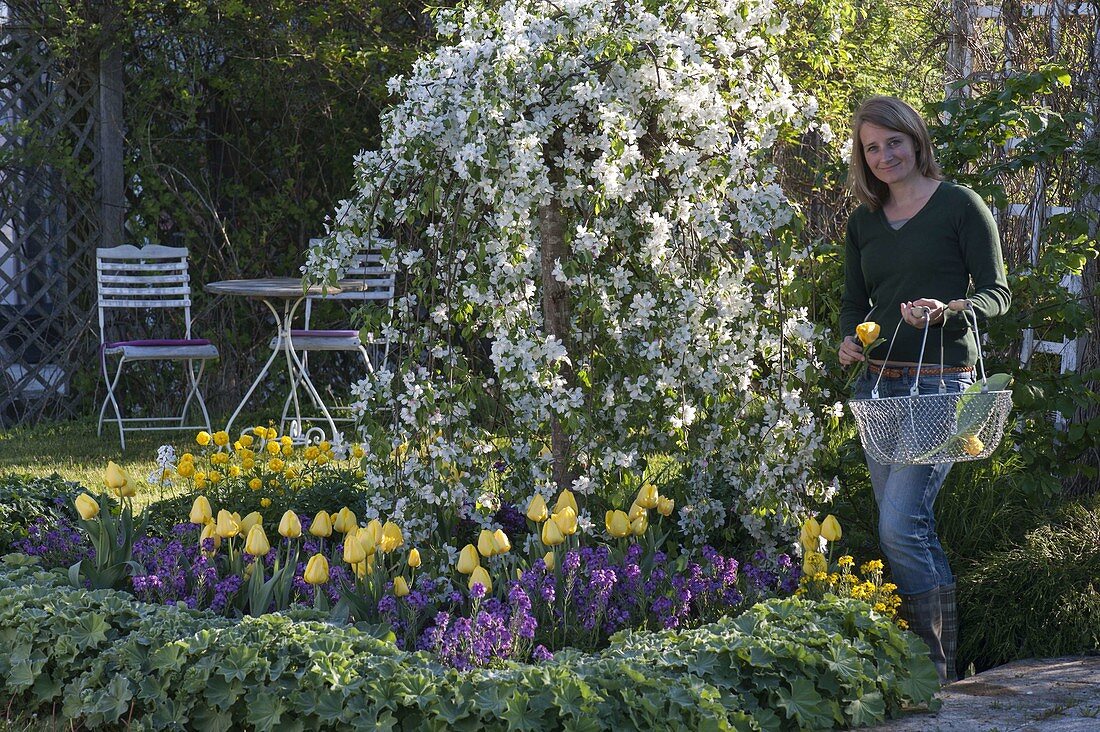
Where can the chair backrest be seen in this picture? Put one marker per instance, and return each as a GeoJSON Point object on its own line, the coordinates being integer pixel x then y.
{"type": "Point", "coordinates": [133, 277]}
{"type": "Point", "coordinates": [375, 281]}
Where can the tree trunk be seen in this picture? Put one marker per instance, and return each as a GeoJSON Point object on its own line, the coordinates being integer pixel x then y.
{"type": "Point", "coordinates": [555, 315]}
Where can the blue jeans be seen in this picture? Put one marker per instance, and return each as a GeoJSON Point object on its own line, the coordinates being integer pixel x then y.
{"type": "Point", "coordinates": [906, 495]}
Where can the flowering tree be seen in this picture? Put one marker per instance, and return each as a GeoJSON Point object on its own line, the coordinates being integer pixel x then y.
{"type": "Point", "coordinates": [579, 200]}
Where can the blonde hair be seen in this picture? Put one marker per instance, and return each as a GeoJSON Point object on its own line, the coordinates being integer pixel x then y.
{"type": "Point", "coordinates": [893, 114]}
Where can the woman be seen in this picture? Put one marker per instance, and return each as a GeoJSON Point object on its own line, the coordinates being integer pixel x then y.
{"type": "Point", "coordinates": [917, 244]}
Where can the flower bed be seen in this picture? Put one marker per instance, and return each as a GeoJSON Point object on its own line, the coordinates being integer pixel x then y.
{"type": "Point", "coordinates": [108, 659]}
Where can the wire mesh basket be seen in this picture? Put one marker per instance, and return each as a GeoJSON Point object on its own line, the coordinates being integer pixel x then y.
{"type": "Point", "coordinates": [944, 427]}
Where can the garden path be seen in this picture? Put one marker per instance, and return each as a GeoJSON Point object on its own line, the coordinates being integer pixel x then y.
{"type": "Point", "coordinates": [1036, 695]}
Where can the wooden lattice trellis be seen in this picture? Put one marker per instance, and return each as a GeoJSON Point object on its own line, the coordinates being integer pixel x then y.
{"type": "Point", "coordinates": [990, 41]}
{"type": "Point", "coordinates": [52, 205]}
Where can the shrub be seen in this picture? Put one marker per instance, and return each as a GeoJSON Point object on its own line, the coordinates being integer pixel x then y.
{"type": "Point", "coordinates": [785, 664]}
{"type": "Point", "coordinates": [1037, 599]}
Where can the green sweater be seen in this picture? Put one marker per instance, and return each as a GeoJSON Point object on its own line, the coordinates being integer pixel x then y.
{"type": "Point", "coordinates": [950, 249]}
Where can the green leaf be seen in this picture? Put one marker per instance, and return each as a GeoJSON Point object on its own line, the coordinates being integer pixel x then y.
{"type": "Point", "coordinates": [265, 711]}
{"type": "Point", "coordinates": [866, 710]}
{"type": "Point", "coordinates": [90, 631]}
{"type": "Point", "coordinates": [223, 693]}
{"type": "Point", "coordinates": [519, 715]}
{"type": "Point", "coordinates": [238, 662]}
{"type": "Point", "coordinates": [803, 704]}
{"type": "Point", "coordinates": [922, 683]}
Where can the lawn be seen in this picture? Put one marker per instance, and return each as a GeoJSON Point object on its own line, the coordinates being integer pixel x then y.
{"type": "Point", "coordinates": [74, 451]}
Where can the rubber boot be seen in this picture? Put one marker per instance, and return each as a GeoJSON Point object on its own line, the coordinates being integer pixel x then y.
{"type": "Point", "coordinates": [924, 615]}
{"type": "Point", "coordinates": [949, 638]}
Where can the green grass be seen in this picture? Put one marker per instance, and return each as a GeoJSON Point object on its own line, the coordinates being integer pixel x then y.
{"type": "Point", "coordinates": [74, 451]}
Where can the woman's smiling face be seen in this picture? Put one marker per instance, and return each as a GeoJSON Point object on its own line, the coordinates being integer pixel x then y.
{"type": "Point", "coordinates": [891, 155]}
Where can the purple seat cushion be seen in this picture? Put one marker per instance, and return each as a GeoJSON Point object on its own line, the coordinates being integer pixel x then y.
{"type": "Point", "coordinates": [324, 333]}
{"type": "Point", "coordinates": [160, 342]}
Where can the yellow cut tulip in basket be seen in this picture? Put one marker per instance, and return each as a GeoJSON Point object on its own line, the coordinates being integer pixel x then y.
{"type": "Point", "coordinates": [941, 427]}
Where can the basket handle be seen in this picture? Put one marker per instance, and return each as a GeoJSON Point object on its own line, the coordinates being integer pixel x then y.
{"type": "Point", "coordinates": [967, 309]}
{"type": "Point", "coordinates": [913, 391]}
{"type": "Point", "coordinates": [963, 306]}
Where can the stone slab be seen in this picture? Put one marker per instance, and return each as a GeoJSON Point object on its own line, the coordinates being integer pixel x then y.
{"type": "Point", "coordinates": [1036, 695]}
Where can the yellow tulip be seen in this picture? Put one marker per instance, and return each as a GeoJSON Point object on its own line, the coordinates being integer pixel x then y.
{"type": "Point", "coordinates": [867, 333]}
{"type": "Point", "coordinates": [830, 528]}
{"type": "Point", "coordinates": [252, 519]}
{"type": "Point", "coordinates": [316, 570]}
{"type": "Point", "coordinates": [353, 550]}
{"type": "Point", "coordinates": [566, 498]}
{"type": "Point", "coordinates": [321, 526]}
{"type": "Point", "coordinates": [551, 534]}
{"type": "Point", "coordinates": [200, 511]}
{"type": "Point", "coordinates": [203, 438]}
{"type": "Point", "coordinates": [814, 563]}
{"type": "Point", "coordinates": [635, 512]}
{"type": "Point", "coordinates": [665, 506]}
{"type": "Point", "coordinates": [811, 528]}
{"type": "Point", "coordinates": [647, 496]}
{"type": "Point", "coordinates": [345, 520]}
{"type": "Point", "coordinates": [566, 519]}
{"type": "Point", "coordinates": [973, 446]}
{"type": "Point", "coordinates": [485, 543]}
{"type": "Point", "coordinates": [639, 525]}
{"type": "Point", "coordinates": [467, 559]}
{"type": "Point", "coordinates": [501, 543]}
{"type": "Point", "coordinates": [87, 507]}
{"type": "Point", "coordinates": [414, 558]}
{"type": "Point", "coordinates": [209, 532]}
{"type": "Point", "coordinates": [618, 523]}
{"type": "Point", "coordinates": [256, 544]}
{"type": "Point", "coordinates": [366, 539]}
{"type": "Point", "coordinates": [374, 526]}
{"type": "Point", "coordinates": [118, 481]}
{"type": "Point", "coordinates": [227, 526]}
{"type": "Point", "coordinates": [480, 577]}
{"type": "Point", "coordinates": [391, 538]}
{"type": "Point", "coordinates": [536, 509]}
{"type": "Point", "coordinates": [290, 526]}
{"type": "Point", "coordinates": [550, 560]}
{"type": "Point", "coordinates": [400, 587]}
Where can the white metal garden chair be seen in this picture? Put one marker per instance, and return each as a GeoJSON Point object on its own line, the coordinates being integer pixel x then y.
{"type": "Point", "coordinates": [368, 280]}
{"type": "Point", "coordinates": [150, 281]}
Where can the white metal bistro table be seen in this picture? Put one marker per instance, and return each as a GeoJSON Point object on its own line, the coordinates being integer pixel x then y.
{"type": "Point", "coordinates": [291, 292]}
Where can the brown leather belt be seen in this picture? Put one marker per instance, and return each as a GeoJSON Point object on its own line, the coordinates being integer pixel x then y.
{"type": "Point", "coordinates": [891, 372]}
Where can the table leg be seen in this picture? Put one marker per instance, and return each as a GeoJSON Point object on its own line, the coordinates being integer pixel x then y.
{"type": "Point", "coordinates": [337, 438]}
{"type": "Point", "coordinates": [263, 371]}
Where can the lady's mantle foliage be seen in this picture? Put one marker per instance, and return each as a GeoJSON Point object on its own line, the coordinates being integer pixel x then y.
{"type": "Point", "coordinates": [641, 129]}
{"type": "Point", "coordinates": [102, 658]}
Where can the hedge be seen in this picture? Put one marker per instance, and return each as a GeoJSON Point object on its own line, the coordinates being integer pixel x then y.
{"type": "Point", "coordinates": [107, 659]}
